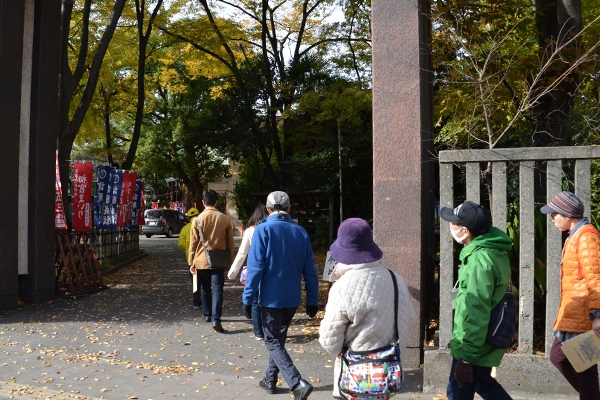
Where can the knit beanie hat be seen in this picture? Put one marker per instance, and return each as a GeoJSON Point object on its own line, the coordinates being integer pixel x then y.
{"type": "Point", "coordinates": [565, 203]}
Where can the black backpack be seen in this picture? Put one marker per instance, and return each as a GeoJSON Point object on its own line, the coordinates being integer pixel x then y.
{"type": "Point", "coordinates": [503, 321]}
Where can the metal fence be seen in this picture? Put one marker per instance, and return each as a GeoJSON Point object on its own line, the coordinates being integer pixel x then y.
{"type": "Point", "coordinates": [111, 243]}
{"type": "Point", "coordinates": [526, 158]}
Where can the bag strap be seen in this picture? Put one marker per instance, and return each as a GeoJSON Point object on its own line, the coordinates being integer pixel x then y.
{"type": "Point", "coordinates": [395, 305]}
{"type": "Point", "coordinates": [202, 239]}
{"type": "Point", "coordinates": [581, 231]}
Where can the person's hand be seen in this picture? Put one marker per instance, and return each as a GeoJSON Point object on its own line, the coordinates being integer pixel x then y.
{"type": "Point", "coordinates": [596, 325]}
{"type": "Point", "coordinates": [463, 372]}
{"type": "Point", "coordinates": [312, 310]}
{"type": "Point", "coordinates": [193, 269]}
{"type": "Point", "coordinates": [248, 311]}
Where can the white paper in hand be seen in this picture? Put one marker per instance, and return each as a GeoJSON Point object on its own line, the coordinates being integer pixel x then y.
{"type": "Point", "coordinates": [195, 285]}
{"type": "Point", "coordinates": [330, 264]}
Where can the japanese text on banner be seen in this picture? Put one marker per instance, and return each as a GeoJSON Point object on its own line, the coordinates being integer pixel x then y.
{"type": "Point", "coordinates": [82, 190]}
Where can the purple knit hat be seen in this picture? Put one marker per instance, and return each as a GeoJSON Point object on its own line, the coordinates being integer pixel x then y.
{"type": "Point", "coordinates": [565, 203]}
{"type": "Point", "coordinates": [355, 244]}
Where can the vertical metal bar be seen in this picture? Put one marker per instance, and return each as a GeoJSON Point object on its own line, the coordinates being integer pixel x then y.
{"type": "Point", "coordinates": [526, 256]}
{"type": "Point", "coordinates": [553, 252]}
{"type": "Point", "coordinates": [473, 183]}
{"type": "Point", "coordinates": [499, 195]}
{"type": "Point", "coordinates": [446, 257]}
{"type": "Point", "coordinates": [583, 187]}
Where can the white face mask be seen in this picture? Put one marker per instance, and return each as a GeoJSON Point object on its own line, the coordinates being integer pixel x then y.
{"type": "Point", "coordinates": [455, 234]}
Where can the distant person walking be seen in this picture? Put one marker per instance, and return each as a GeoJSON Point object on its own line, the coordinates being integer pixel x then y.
{"type": "Point", "coordinates": [259, 214]}
{"type": "Point", "coordinates": [483, 279]}
{"type": "Point", "coordinates": [184, 243]}
{"type": "Point", "coordinates": [579, 309]}
{"type": "Point", "coordinates": [280, 255]}
{"type": "Point", "coordinates": [218, 235]}
{"type": "Point", "coordinates": [360, 311]}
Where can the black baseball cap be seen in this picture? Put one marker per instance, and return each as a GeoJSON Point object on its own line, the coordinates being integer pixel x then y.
{"type": "Point", "coordinates": [468, 214]}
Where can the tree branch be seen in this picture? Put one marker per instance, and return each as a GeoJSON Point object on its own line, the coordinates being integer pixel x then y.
{"type": "Point", "coordinates": [197, 46]}
{"type": "Point", "coordinates": [320, 42]}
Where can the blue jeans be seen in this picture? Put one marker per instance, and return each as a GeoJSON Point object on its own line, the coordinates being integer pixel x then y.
{"type": "Point", "coordinates": [211, 286]}
{"type": "Point", "coordinates": [483, 383]}
{"type": "Point", "coordinates": [256, 318]}
{"type": "Point", "coordinates": [276, 322]}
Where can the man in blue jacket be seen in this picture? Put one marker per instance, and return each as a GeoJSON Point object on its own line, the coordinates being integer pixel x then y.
{"type": "Point", "coordinates": [280, 254]}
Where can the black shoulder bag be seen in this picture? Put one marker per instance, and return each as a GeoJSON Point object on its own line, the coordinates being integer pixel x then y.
{"type": "Point", "coordinates": [503, 321]}
{"type": "Point", "coordinates": [215, 258]}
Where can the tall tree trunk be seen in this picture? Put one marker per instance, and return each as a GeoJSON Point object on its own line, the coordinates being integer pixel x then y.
{"type": "Point", "coordinates": [141, 81]}
{"type": "Point", "coordinates": [558, 21]}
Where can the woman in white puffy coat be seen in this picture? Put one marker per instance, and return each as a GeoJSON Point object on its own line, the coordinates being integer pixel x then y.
{"type": "Point", "coordinates": [259, 214]}
{"type": "Point", "coordinates": [360, 309]}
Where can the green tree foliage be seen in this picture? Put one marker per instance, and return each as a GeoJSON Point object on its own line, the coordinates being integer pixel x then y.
{"type": "Point", "coordinates": [285, 38]}
{"type": "Point", "coordinates": [179, 141]}
{"type": "Point", "coordinates": [502, 80]}
{"type": "Point", "coordinates": [200, 82]}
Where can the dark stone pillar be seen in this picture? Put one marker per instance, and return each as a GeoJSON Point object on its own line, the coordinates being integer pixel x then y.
{"type": "Point", "coordinates": [38, 284]}
{"type": "Point", "coordinates": [11, 44]}
{"type": "Point", "coordinates": [403, 180]}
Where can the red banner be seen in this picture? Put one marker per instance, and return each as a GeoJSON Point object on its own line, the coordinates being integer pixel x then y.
{"type": "Point", "coordinates": [155, 205]}
{"type": "Point", "coordinates": [141, 219]}
{"type": "Point", "coordinates": [174, 206]}
{"type": "Point", "coordinates": [82, 190]}
{"type": "Point", "coordinates": [122, 216]}
{"type": "Point", "coordinates": [59, 211]}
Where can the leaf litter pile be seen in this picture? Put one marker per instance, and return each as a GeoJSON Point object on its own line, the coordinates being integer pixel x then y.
{"type": "Point", "coordinates": [145, 330]}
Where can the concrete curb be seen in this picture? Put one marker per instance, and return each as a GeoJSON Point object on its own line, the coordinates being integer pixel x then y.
{"type": "Point", "coordinates": [124, 264]}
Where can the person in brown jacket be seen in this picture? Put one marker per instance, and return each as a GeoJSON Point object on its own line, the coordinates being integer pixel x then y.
{"type": "Point", "coordinates": [218, 235]}
{"type": "Point", "coordinates": [579, 309]}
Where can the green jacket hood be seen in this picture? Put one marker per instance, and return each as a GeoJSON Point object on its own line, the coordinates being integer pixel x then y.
{"type": "Point", "coordinates": [493, 239]}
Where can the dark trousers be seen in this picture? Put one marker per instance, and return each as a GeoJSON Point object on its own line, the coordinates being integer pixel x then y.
{"type": "Point", "coordinates": [211, 288]}
{"type": "Point", "coordinates": [256, 318]}
{"type": "Point", "coordinates": [586, 382]}
{"type": "Point", "coordinates": [197, 297]}
{"type": "Point", "coordinates": [483, 383]}
{"type": "Point", "coordinates": [276, 322]}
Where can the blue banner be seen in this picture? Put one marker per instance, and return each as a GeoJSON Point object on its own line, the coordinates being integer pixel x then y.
{"type": "Point", "coordinates": [135, 204]}
{"type": "Point", "coordinates": [181, 206]}
{"type": "Point", "coordinates": [115, 198]}
{"type": "Point", "coordinates": [104, 181]}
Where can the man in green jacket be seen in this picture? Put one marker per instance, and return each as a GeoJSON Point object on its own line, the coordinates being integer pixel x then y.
{"type": "Point", "coordinates": [483, 278]}
{"type": "Point", "coordinates": [184, 243]}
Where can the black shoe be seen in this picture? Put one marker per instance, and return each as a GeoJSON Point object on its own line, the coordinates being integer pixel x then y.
{"type": "Point", "coordinates": [271, 388]}
{"type": "Point", "coordinates": [207, 318]}
{"type": "Point", "coordinates": [218, 327]}
{"type": "Point", "coordinates": [302, 390]}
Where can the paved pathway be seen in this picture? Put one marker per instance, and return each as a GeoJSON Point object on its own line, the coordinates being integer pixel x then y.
{"type": "Point", "coordinates": [141, 339]}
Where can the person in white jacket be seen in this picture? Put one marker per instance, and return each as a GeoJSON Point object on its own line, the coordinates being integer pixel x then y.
{"type": "Point", "coordinates": [360, 310]}
{"type": "Point", "coordinates": [259, 214]}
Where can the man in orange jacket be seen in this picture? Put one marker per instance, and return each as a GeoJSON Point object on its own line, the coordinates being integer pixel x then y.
{"type": "Point", "coordinates": [579, 309]}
